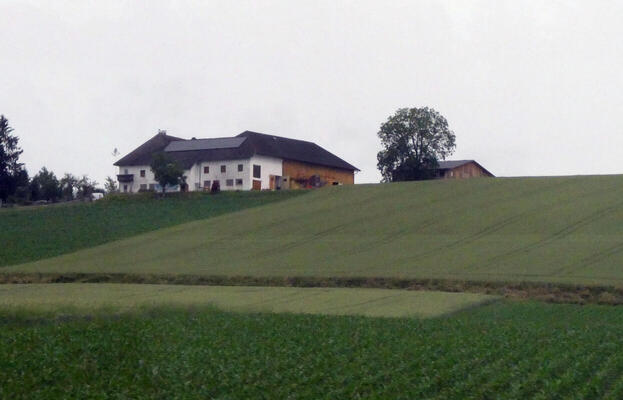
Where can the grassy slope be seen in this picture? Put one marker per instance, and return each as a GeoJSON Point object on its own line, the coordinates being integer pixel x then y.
{"type": "Point", "coordinates": [564, 229]}
{"type": "Point", "coordinates": [504, 350]}
{"type": "Point", "coordinates": [38, 232]}
{"type": "Point", "coordinates": [87, 298]}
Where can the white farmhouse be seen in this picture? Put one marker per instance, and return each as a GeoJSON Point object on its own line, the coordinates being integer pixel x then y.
{"type": "Point", "coordinates": [249, 161]}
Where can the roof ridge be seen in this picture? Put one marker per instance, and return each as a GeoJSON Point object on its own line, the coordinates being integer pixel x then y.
{"type": "Point", "coordinates": [212, 138]}
{"type": "Point", "coordinates": [275, 136]}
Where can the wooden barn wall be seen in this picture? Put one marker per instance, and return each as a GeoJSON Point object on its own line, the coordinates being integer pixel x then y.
{"type": "Point", "coordinates": [470, 170]}
{"type": "Point", "coordinates": [303, 171]}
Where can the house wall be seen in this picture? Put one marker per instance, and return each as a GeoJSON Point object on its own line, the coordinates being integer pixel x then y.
{"type": "Point", "coordinates": [231, 172]}
{"type": "Point", "coordinates": [135, 185]}
{"type": "Point", "coordinates": [195, 176]}
{"type": "Point", "coordinates": [269, 166]}
{"type": "Point", "coordinates": [470, 170]}
{"type": "Point", "coordinates": [299, 171]}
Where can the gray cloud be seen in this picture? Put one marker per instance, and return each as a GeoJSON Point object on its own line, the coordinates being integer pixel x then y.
{"type": "Point", "coordinates": [530, 88]}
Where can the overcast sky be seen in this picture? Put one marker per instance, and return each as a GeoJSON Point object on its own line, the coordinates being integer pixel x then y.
{"type": "Point", "coordinates": [528, 87]}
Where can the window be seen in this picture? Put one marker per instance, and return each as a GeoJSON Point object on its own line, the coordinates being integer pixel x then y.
{"type": "Point", "coordinates": [142, 173]}
{"type": "Point", "coordinates": [229, 182]}
{"type": "Point", "coordinates": [143, 186]}
{"type": "Point", "coordinates": [206, 184]}
{"type": "Point", "coordinates": [206, 170]}
{"type": "Point", "coordinates": [223, 169]}
{"type": "Point", "coordinates": [257, 171]}
{"type": "Point", "coordinates": [239, 167]}
{"type": "Point", "coordinates": [125, 171]}
{"type": "Point", "coordinates": [238, 182]}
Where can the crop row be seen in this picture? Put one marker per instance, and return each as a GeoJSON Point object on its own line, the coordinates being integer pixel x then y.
{"type": "Point", "coordinates": [503, 350]}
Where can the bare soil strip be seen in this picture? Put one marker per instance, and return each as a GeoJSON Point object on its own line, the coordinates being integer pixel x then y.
{"type": "Point", "coordinates": [549, 292]}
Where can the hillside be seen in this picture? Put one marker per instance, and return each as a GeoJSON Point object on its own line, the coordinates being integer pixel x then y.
{"type": "Point", "coordinates": [32, 233]}
{"type": "Point", "coordinates": [562, 229]}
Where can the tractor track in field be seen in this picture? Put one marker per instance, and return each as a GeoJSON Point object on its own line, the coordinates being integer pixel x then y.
{"type": "Point", "coordinates": [560, 234]}
{"type": "Point", "coordinates": [592, 259]}
{"type": "Point", "coordinates": [488, 230]}
{"type": "Point", "coordinates": [367, 247]}
{"type": "Point", "coordinates": [322, 233]}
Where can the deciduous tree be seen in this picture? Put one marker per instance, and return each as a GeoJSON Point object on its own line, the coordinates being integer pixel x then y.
{"type": "Point", "coordinates": [413, 140]}
{"type": "Point", "coordinates": [86, 187]}
{"type": "Point", "coordinates": [68, 183]}
{"type": "Point", "coordinates": [45, 186]}
{"type": "Point", "coordinates": [166, 171]}
{"type": "Point", "coordinates": [110, 186]}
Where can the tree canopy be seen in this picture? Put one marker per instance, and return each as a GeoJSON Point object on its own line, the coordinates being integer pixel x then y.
{"type": "Point", "coordinates": [166, 171]}
{"type": "Point", "coordinates": [68, 183]}
{"type": "Point", "coordinates": [110, 185]}
{"type": "Point", "coordinates": [86, 188]}
{"type": "Point", "coordinates": [413, 140]}
{"type": "Point", "coordinates": [45, 186]}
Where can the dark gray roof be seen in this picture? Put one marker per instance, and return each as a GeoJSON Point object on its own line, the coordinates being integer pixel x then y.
{"type": "Point", "coordinates": [250, 143]}
{"type": "Point", "coordinates": [453, 164]}
{"type": "Point", "coordinates": [142, 154]}
{"type": "Point", "coordinates": [205, 144]}
{"type": "Point", "coordinates": [295, 150]}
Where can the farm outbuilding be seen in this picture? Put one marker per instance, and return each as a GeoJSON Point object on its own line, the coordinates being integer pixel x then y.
{"type": "Point", "coordinates": [461, 169]}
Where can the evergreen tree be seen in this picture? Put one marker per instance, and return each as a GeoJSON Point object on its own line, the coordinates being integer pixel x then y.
{"type": "Point", "coordinates": [10, 168]}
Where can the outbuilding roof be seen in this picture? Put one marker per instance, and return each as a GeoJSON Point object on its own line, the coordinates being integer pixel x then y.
{"type": "Point", "coordinates": [451, 164]}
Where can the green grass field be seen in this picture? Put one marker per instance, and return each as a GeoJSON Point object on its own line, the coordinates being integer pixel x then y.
{"type": "Point", "coordinates": [505, 350]}
{"type": "Point", "coordinates": [33, 233]}
{"type": "Point", "coordinates": [53, 299]}
{"type": "Point", "coordinates": [103, 340]}
{"type": "Point", "coordinates": [562, 229]}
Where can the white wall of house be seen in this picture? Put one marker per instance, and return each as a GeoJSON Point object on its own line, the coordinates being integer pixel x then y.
{"type": "Point", "coordinates": [231, 179]}
{"type": "Point", "coordinates": [198, 176]}
{"type": "Point", "coordinates": [135, 185]}
{"type": "Point", "coordinates": [140, 182]}
{"type": "Point", "coordinates": [269, 166]}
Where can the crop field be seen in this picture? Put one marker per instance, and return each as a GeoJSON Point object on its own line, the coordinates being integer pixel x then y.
{"type": "Point", "coordinates": [70, 298]}
{"type": "Point", "coordinates": [33, 233]}
{"type": "Point", "coordinates": [562, 230]}
{"type": "Point", "coordinates": [122, 340]}
{"type": "Point", "coordinates": [505, 350]}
